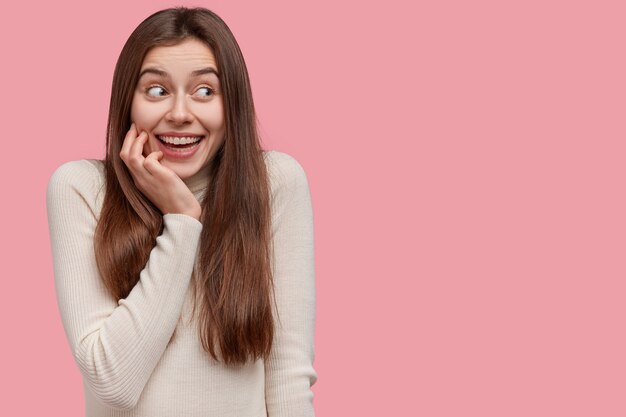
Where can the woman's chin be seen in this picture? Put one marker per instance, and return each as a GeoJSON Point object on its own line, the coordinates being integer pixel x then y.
{"type": "Point", "coordinates": [182, 172]}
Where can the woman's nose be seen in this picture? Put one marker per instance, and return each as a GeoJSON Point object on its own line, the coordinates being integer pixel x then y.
{"type": "Point", "coordinates": [179, 112]}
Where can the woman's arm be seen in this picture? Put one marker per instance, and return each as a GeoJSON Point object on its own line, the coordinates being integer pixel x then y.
{"type": "Point", "coordinates": [116, 343]}
{"type": "Point", "coordinates": [289, 372]}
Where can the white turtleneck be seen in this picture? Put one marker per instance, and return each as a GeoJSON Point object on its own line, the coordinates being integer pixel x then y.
{"type": "Point", "coordinates": [122, 347]}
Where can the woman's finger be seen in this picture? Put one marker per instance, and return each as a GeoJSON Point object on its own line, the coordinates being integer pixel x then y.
{"type": "Point", "coordinates": [151, 163]}
{"type": "Point", "coordinates": [130, 137]}
{"type": "Point", "coordinates": [136, 159]}
{"type": "Point", "coordinates": [136, 148]}
{"type": "Point", "coordinates": [146, 148]}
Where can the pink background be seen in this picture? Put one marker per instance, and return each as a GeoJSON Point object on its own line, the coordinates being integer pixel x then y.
{"type": "Point", "coordinates": [466, 164]}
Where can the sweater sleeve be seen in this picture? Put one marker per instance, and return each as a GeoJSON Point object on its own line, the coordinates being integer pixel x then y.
{"type": "Point", "coordinates": [115, 343]}
{"type": "Point", "coordinates": [289, 372]}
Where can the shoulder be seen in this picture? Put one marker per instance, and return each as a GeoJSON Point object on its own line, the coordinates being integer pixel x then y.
{"type": "Point", "coordinates": [83, 176]}
{"type": "Point", "coordinates": [77, 171]}
{"type": "Point", "coordinates": [289, 187]}
{"type": "Point", "coordinates": [285, 172]}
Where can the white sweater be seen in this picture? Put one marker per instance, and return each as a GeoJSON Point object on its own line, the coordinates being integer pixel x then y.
{"type": "Point", "coordinates": [121, 346]}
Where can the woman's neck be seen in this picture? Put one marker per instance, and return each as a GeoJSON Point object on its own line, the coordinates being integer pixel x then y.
{"type": "Point", "coordinates": [200, 180]}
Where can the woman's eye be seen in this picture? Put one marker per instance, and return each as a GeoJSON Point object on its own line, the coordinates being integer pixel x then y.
{"type": "Point", "coordinates": [210, 91]}
{"type": "Point", "coordinates": [153, 91]}
{"type": "Point", "coordinates": [154, 87]}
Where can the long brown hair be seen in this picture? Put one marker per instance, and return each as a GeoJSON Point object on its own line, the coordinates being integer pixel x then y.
{"type": "Point", "coordinates": [233, 278]}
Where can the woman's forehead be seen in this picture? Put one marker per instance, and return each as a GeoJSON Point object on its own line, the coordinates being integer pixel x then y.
{"type": "Point", "coordinates": [190, 52]}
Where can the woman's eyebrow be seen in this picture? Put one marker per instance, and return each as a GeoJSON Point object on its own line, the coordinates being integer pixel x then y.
{"type": "Point", "coordinates": [163, 74]}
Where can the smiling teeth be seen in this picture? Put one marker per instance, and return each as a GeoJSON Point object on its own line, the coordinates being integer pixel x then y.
{"type": "Point", "coordinates": [180, 140]}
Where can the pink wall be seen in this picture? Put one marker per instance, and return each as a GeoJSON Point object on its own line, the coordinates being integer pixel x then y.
{"type": "Point", "coordinates": [466, 163]}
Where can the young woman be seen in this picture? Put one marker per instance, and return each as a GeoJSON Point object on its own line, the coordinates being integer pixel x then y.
{"type": "Point", "coordinates": [183, 262]}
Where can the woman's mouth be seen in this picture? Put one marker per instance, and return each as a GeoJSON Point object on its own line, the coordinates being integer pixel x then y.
{"type": "Point", "coordinates": [179, 147]}
{"type": "Point", "coordinates": [176, 142]}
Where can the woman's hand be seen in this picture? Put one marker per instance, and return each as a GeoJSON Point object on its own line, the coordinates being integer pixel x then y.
{"type": "Point", "coordinates": [157, 182]}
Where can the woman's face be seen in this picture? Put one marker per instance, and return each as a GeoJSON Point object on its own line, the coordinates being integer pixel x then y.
{"type": "Point", "coordinates": [178, 95]}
